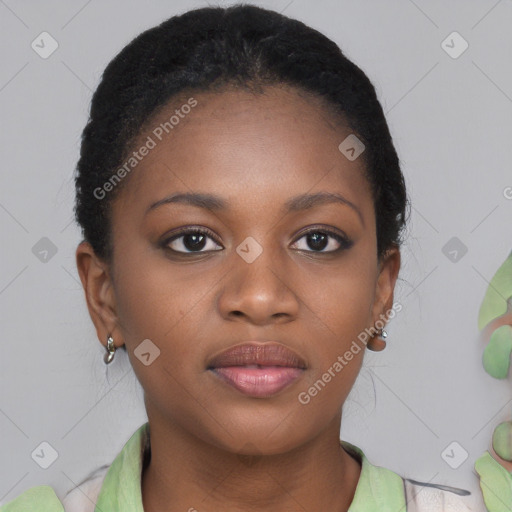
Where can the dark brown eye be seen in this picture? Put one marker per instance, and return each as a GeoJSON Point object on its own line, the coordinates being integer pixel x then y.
{"type": "Point", "coordinates": [317, 240]}
{"type": "Point", "coordinates": [190, 241]}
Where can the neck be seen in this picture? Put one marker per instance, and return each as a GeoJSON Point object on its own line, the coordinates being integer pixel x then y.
{"type": "Point", "coordinates": [185, 473]}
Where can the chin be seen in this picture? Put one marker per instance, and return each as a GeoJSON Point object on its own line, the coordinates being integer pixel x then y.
{"type": "Point", "coordinates": [262, 438]}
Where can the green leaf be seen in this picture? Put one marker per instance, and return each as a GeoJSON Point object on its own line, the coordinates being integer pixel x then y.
{"type": "Point", "coordinates": [497, 294]}
{"type": "Point", "coordinates": [496, 357]}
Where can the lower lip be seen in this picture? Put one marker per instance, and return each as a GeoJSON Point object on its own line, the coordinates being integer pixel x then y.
{"type": "Point", "coordinates": [259, 382]}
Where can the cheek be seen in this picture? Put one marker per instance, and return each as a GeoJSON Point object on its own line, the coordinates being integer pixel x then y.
{"type": "Point", "coordinates": [169, 305]}
{"type": "Point", "coordinates": [343, 298]}
{"type": "Point", "coordinates": [149, 298]}
{"type": "Point", "coordinates": [341, 310]}
{"type": "Point", "coordinates": [153, 306]}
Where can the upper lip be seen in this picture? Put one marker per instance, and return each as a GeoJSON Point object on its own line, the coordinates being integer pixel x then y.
{"type": "Point", "coordinates": [255, 353]}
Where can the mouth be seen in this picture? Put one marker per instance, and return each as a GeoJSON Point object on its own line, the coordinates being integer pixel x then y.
{"type": "Point", "coordinates": [258, 370]}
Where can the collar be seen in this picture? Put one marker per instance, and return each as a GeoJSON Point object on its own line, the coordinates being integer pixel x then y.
{"type": "Point", "coordinates": [377, 489]}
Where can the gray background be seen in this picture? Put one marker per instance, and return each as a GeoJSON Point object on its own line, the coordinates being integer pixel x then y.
{"type": "Point", "coordinates": [451, 122]}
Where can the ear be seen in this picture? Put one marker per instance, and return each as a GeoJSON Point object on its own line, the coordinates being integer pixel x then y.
{"type": "Point", "coordinates": [389, 266]}
{"type": "Point", "coordinates": [99, 292]}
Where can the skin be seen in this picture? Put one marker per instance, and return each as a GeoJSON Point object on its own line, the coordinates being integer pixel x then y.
{"type": "Point", "coordinates": [256, 151]}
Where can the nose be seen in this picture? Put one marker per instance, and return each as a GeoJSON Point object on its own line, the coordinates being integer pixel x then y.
{"type": "Point", "coordinates": [260, 292]}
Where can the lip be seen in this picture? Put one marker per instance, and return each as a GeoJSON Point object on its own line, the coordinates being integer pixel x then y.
{"type": "Point", "coordinates": [258, 369]}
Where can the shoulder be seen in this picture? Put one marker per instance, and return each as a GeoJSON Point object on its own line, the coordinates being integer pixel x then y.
{"type": "Point", "coordinates": [428, 497]}
{"type": "Point", "coordinates": [382, 489]}
{"type": "Point", "coordinates": [81, 498]}
{"type": "Point", "coordinates": [99, 487]}
{"type": "Point", "coordinates": [41, 498]}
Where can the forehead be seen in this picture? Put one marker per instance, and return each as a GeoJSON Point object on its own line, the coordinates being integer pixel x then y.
{"type": "Point", "coordinates": [281, 142]}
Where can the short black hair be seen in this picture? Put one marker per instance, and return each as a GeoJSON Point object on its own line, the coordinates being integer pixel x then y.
{"type": "Point", "coordinates": [207, 48]}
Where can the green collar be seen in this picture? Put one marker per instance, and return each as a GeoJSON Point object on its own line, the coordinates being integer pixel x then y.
{"type": "Point", "coordinates": [378, 488]}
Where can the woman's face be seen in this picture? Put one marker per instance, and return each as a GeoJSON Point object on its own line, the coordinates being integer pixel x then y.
{"type": "Point", "coordinates": [255, 276]}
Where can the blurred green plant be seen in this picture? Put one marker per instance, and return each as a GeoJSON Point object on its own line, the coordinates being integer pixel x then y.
{"type": "Point", "coordinates": [496, 315]}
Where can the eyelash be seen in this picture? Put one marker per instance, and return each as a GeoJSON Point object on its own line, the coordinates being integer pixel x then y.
{"type": "Point", "coordinates": [345, 243]}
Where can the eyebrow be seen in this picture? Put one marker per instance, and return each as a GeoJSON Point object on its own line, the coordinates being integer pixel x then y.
{"type": "Point", "coordinates": [294, 204]}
